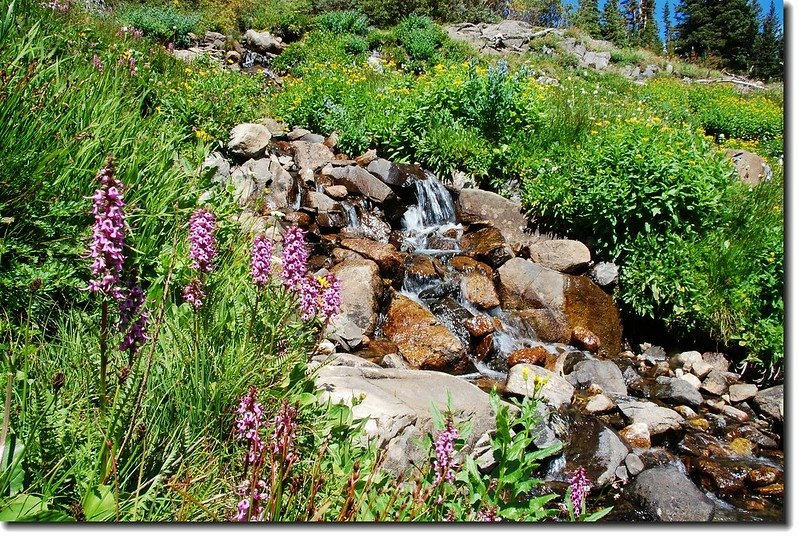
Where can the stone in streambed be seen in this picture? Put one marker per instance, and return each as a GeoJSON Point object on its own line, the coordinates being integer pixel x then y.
{"type": "Point", "coordinates": [562, 255]}
{"type": "Point", "coordinates": [668, 496]}
{"type": "Point", "coordinates": [475, 206]}
{"type": "Point", "coordinates": [602, 373]}
{"type": "Point", "coordinates": [390, 261]}
{"type": "Point", "coordinates": [479, 290]}
{"type": "Point", "coordinates": [361, 293]}
{"type": "Point", "coordinates": [770, 402]}
{"type": "Point", "coordinates": [555, 391]}
{"type": "Point", "coordinates": [248, 140]}
{"type": "Point", "coordinates": [487, 245]}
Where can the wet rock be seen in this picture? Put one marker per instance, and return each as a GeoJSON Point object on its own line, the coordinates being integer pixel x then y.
{"type": "Point", "coordinates": [769, 402]}
{"type": "Point", "coordinates": [562, 255]}
{"type": "Point", "coordinates": [566, 301]}
{"type": "Point", "coordinates": [386, 256]}
{"type": "Point", "coordinates": [775, 489]}
{"type": "Point", "coordinates": [477, 206]}
{"type": "Point", "coordinates": [742, 447]}
{"type": "Point", "coordinates": [452, 315]}
{"type": "Point", "coordinates": [262, 42]}
{"type": "Point", "coordinates": [372, 227]}
{"type": "Point", "coordinates": [604, 274]}
{"type": "Point", "coordinates": [319, 202]}
{"type": "Point", "coordinates": [332, 219]}
{"type": "Point", "coordinates": [465, 265]}
{"type": "Point", "coordinates": [677, 391]}
{"type": "Point", "coordinates": [555, 391]}
{"type": "Point", "coordinates": [657, 418]}
{"type": "Point", "coordinates": [485, 349]}
{"type": "Point", "coordinates": [423, 268]}
{"type": "Point", "coordinates": [361, 292]}
{"type": "Point", "coordinates": [702, 444]}
{"type": "Point", "coordinates": [585, 339]}
{"type": "Point", "coordinates": [654, 355]}
{"type": "Point", "coordinates": [634, 381]}
{"type": "Point", "coordinates": [487, 245]}
{"type": "Point", "coordinates": [595, 447]}
{"type": "Point", "coordinates": [602, 373]}
{"type": "Point", "coordinates": [421, 339]}
{"type": "Point", "coordinates": [337, 192]}
{"type": "Point", "coordinates": [387, 171]}
{"type": "Point", "coordinates": [715, 383]}
{"type": "Point", "coordinates": [479, 325]}
{"type": "Point", "coordinates": [634, 464]}
{"type": "Point", "coordinates": [756, 436]}
{"type": "Point", "coordinates": [764, 475]}
{"type": "Point", "coordinates": [667, 495]}
{"type": "Point", "coordinates": [248, 140]}
{"type": "Point", "coordinates": [722, 476]}
{"type": "Point", "coordinates": [637, 436]}
{"type": "Point", "coordinates": [734, 413]}
{"type": "Point", "coordinates": [397, 404]}
{"type": "Point", "coordinates": [359, 181]}
{"type": "Point", "coordinates": [531, 356]}
{"type": "Point", "coordinates": [699, 424]}
{"type": "Point", "coordinates": [479, 290]}
{"type": "Point", "coordinates": [599, 404]}
{"type": "Point", "coordinates": [311, 156]}
{"type": "Point", "coordinates": [742, 392]}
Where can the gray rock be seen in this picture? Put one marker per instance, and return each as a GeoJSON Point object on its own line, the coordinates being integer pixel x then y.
{"type": "Point", "coordinates": [220, 166]}
{"type": "Point", "coordinates": [735, 413]}
{"type": "Point", "coordinates": [480, 206]}
{"type": "Point", "coordinates": [742, 392]}
{"type": "Point", "coordinates": [282, 188]}
{"type": "Point", "coordinates": [319, 202]}
{"type": "Point", "coordinates": [386, 171]}
{"type": "Point", "coordinates": [311, 156]}
{"type": "Point", "coordinates": [770, 402]}
{"type": "Point", "coordinates": [684, 359]}
{"type": "Point", "coordinates": [701, 369]}
{"type": "Point", "coordinates": [277, 128]}
{"type": "Point", "coordinates": [361, 292]}
{"type": "Point", "coordinates": [313, 138]}
{"type": "Point", "coordinates": [599, 404]}
{"type": "Point", "coordinates": [359, 181]}
{"type": "Point", "coordinates": [566, 256]}
{"type": "Point", "coordinates": [395, 361]}
{"type": "Point", "coordinates": [658, 419]}
{"type": "Point", "coordinates": [556, 392]}
{"type": "Point", "coordinates": [397, 404]}
{"type": "Point", "coordinates": [634, 464]}
{"type": "Point", "coordinates": [347, 335]}
{"type": "Point", "coordinates": [597, 60]}
{"type": "Point", "coordinates": [654, 354]}
{"type": "Point", "coordinates": [604, 274]}
{"type": "Point", "coordinates": [621, 474]}
{"type": "Point", "coordinates": [344, 359]}
{"type": "Point", "coordinates": [595, 447]}
{"type": "Point", "coordinates": [186, 55]}
{"type": "Point", "coordinates": [677, 391]}
{"type": "Point", "coordinates": [297, 134]}
{"type": "Point", "coordinates": [715, 383]}
{"type": "Point", "coordinates": [669, 496]}
{"type": "Point", "coordinates": [249, 140]}
{"type": "Point", "coordinates": [262, 42]}
{"type": "Point", "coordinates": [717, 361]}
{"type": "Point", "coordinates": [603, 373]}
{"type": "Point", "coordinates": [751, 168]}
{"type": "Point", "coordinates": [691, 379]}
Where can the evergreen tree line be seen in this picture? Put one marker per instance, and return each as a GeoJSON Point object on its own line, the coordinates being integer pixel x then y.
{"type": "Point", "coordinates": [731, 34]}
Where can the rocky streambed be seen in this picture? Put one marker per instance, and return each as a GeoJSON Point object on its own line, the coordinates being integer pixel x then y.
{"type": "Point", "coordinates": [448, 292]}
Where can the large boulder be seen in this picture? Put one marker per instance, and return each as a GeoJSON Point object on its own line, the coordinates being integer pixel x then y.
{"type": "Point", "coordinates": [668, 496]}
{"type": "Point", "coordinates": [311, 156]}
{"type": "Point", "coordinates": [361, 293]}
{"type": "Point", "coordinates": [554, 390]}
{"type": "Point", "coordinates": [751, 168]}
{"type": "Point", "coordinates": [479, 290]}
{"type": "Point", "coordinates": [595, 447]}
{"type": "Point", "coordinates": [561, 255]}
{"type": "Point", "coordinates": [359, 181]}
{"type": "Point", "coordinates": [262, 42]}
{"type": "Point", "coordinates": [558, 303]}
{"type": "Point", "coordinates": [281, 189]}
{"type": "Point", "coordinates": [602, 373]}
{"type": "Point", "coordinates": [397, 403]}
{"type": "Point", "coordinates": [422, 339]}
{"type": "Point", "coordinates": [770, 402]}
{"type": "Point", "coordinates": [477, 206]}
{"type": "Point", "coordinates": [250, 180]}
{"type": "Point", "coordinates": [658, 419]}
{"type": "Point", "coordinates": [487, 245]}
{"type": "Point", "coordinates": [390, 261]}
{"type": "Point", "coordinates": [249, 140]}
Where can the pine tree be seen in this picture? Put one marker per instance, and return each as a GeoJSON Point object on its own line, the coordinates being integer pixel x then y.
{"type": "Point", "coordinates": [721, 29]}
{"type": "Point", "coordinates": [587, 18]}
{"type": "Point", "coordinates": [668, 37]}
{"type": "Point", "coordinates": [648, 34]}
{"type": "Point", "coordinates": [632, 17]}
{"type": "Point", "coordinates": [613, 27]}
{"type": "Point", "coordinates": [768, 50]}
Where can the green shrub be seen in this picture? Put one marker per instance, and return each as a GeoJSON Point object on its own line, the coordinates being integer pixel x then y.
{"type": "Point", "coordinates": [628, 56]}
{"type": "Point", "coordinates": [162, 23]}
{"type": "Point", "coordinates": [355, 44]}
{"type": "Point", "coordinates": [343, 22]}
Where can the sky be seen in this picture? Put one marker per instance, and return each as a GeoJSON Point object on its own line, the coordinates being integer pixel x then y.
{"type": "Point", "coordinates": [765, 4]}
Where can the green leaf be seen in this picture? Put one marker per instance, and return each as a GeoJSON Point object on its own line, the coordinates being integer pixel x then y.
{"type": "Point", "coordinates": [98, 504]}
{"type": "Point", "coordinates": [593, 517]}
{"type": "Point", "coordinates": [22, 507]}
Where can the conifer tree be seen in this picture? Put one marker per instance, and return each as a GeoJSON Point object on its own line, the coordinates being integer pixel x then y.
{"type": "Point", "coordinates": [648, 33]}
{"type": "Point", "coordinates": [768, 50]}
{"type": "Point", "coordinates": [613, 26]}
{"type": "Point", "coordinates": [668, 44]}
{"type": "Point", "coordinates": [587, 18]}
{"type": "Point", "coordinates": [632, 17]}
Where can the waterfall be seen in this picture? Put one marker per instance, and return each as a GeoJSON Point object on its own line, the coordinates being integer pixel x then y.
{"type": "Point", "coordinates": [353, 222]}
{"type": "Point", "coordinates": [434, 203]}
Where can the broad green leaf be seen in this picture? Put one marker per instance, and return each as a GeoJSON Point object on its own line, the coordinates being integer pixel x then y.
{"type": "Point", "coordinates": [21, 507]}
{"type": "Point", "coordinates": [98, 504]}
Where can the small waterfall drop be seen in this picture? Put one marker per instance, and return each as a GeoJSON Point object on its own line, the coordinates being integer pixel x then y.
{"type": "Point", "coordinates": [353, 222]}
{"type": "Point", "coordinates": [432, 216]}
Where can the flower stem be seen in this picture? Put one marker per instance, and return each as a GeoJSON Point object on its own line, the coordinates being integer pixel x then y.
{"type": "Point", "coordinates": [103, 351]}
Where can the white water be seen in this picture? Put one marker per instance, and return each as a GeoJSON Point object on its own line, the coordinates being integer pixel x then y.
{"type": "Point", "coordinates": [433, 215]}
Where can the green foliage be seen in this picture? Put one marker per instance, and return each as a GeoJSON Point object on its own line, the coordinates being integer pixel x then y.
{"type": "Point", "coordinates": [587, 18]}
{"type": "Point", "coordinates": [338, 22]}
{"type": "Point", "coordinates": [162, 23]}
{"type": "Point", "coordinates": [613, 25]}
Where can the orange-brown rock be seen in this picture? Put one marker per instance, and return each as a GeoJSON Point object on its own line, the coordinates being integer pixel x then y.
{"type": "Point", "coordinates": [764, 476]}
{"type": "Point", "coordinates": [775, 489]}
{"type": "Point", "coordinates": [479, 325]}
{"type": "Point", "coordinates": [487, 245]}
{"type": "Point", "coordinates": [479, 290]}
{"type": "Point", "coordinates": [386, 256]}
{"type": "Point", "coordinates": [533, 356]}
{"type": "Point", "coordinates": [421, 339]}
{"type": "Point", "coordinates": [424, 267]}
{"type": "Point", "coordinates": [582, 338]}
{"type": "Point", "coordinates": [465, 264]}
{"type": "Point", "coordinates": [376, 349]}
{"type": "Point", "coordinates": [484, 348]}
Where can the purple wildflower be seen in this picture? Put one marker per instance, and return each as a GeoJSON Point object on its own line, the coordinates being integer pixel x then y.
{"type": "Point", "coordinates": [488, 514]}
{"type": "Point", "coordinates": [202, 226]}
{"type": "Point", "coordinates": [170, 47]}
{"type": "Point", "coordinates": [108, 233]}
{"type": "Point", "coordinates": [295, 258]}
{"type": "Point", "coordinates": [132, 66]}
{"type": "Point", "coordinates": [285, 432]}
{"type": "Point", "coordinates": [580, 485]}
{"type": "Point", "coordinates": [261, 260]}
{"type": "Point", "coordinates": [309, 297]}
{"type": "Point", "coordinates": [250, 507]}
{"type": "Point", "coordinates": [58, 5]}
{"type": "Point", "coordinates": [194, 293]}
{"type": "Point", "coordinates": [98, 63]}
{"type": "Point", "coordinates": [331, 296]}
{"type": "Point", "coordinates": [135, 32]}
{"type": "Point", "coordinates": [133, 319]}
{"type": "Point", "coordinates": [445, 451]}
{"type": "Point", "coordinates": [250, 416]}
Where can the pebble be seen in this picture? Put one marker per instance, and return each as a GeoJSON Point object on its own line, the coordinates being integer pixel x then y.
{"type": "Point", "coordinates": [634, 464]}
{"type": "Point", "coordinates": [637, 436]}
{"type": "Point", "coordinates": [686, 411]}
{"type": "Point", "coordinates": [599, 404]}
{"type": "Point", "coordinates": [734, 413]}
{"type": "Point", "coordinates": [742, 392]}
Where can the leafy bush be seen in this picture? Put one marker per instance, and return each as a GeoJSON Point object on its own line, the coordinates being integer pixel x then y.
{"type": "Point", "coordinates": [343, 22]}
{"type": "Point", "coordinates": [162, 23]}
{"type": "Point", "coordinates": [355, 44]}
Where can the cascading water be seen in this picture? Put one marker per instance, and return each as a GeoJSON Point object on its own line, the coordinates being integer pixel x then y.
{"type": "Point", "coordinates": [433, 216]}
{"type": "Point", "coordinates": [353, 222]}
